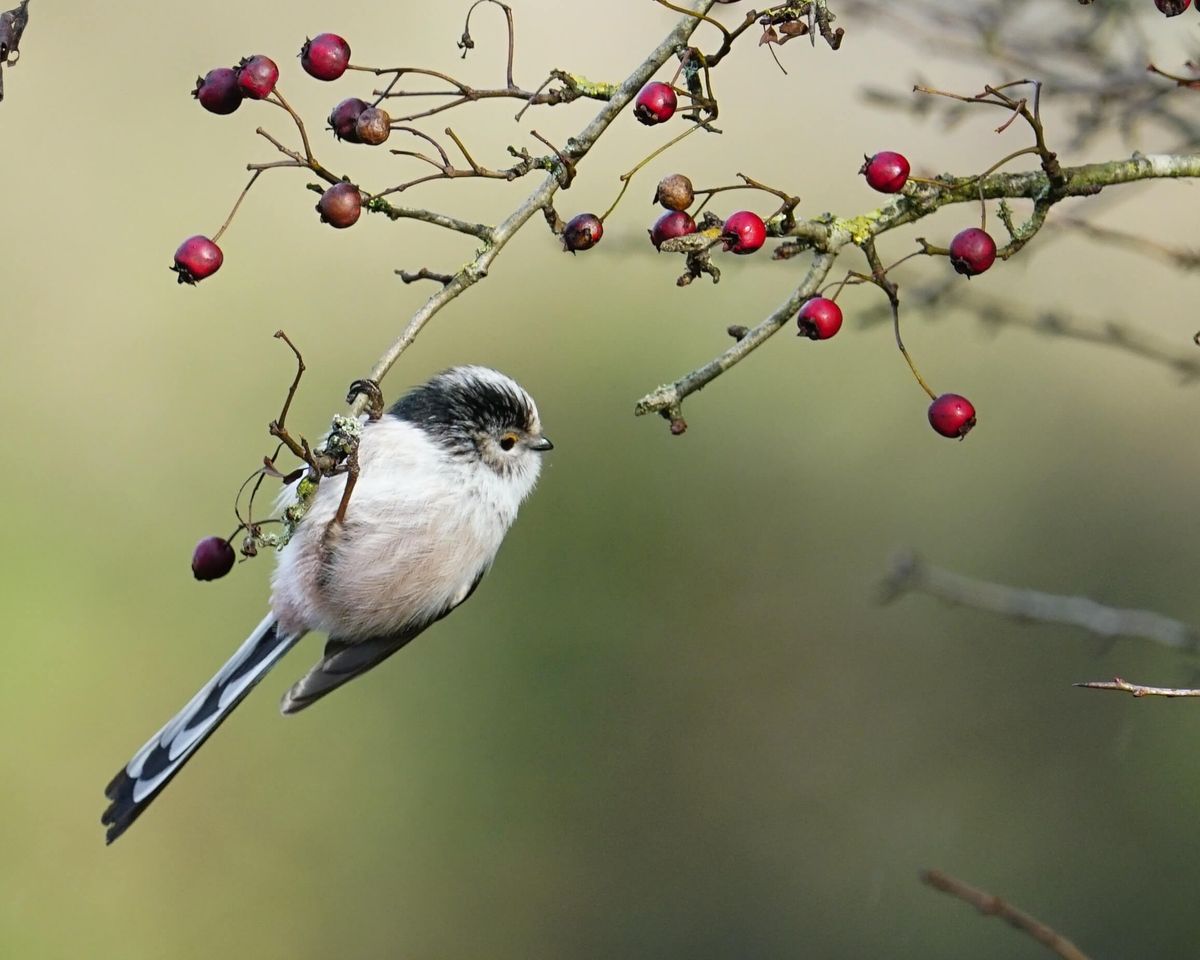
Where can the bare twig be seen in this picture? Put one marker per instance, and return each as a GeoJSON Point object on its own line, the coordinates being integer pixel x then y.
{"type": "Point", "coordinates": [992, 906]}
{"type": "Point", "coordinates": [909, 574]}
{"type": "Point", "coordinates": [1138, 689]}
{"type": "Point", "coordinates": [424, 274]}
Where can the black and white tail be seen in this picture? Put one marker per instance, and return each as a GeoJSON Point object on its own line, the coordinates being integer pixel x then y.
{"type": "Point", "coordinates": [152, 767]}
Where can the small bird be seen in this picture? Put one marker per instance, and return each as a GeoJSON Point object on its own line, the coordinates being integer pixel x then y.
{"type": "Point", "coordinates": [442, 475]}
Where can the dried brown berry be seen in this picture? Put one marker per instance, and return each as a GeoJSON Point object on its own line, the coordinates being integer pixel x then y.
{"type": "Point", "coordinates": [675, 192]}
{"type": "Point", "coordinates": [373, 126]}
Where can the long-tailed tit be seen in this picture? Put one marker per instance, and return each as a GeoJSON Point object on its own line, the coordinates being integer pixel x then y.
{"type": "Point", "coordinates": [442, 474]}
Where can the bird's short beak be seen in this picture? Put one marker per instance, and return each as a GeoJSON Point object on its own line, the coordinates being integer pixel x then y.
{"type": "Point", "coordinates": [541, 444]}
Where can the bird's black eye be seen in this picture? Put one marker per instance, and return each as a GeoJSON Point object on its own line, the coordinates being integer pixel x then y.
{"type": "Point", "coordinates": [508, 441]}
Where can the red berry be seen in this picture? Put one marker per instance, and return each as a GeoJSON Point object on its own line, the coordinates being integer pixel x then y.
{"type": "Point", "coordinates": [1172, 8]}
{"type": "Point", "coordinates": [256, 76]}
{"type": "Point", "coordinates": [819, 318]}
{"type": "Point", "coordinates": [972, 251]}
{"type": "Point", "coordinates": [197, 258]}
{"type": "Point", "coordinates": [673, 223]}
{"type": "Point", "coordinates": [325, 56]}
{"type": "Point", "coordinates": [340, 206]}
{"type": "Point", "coordinates": [344, 117]}
{"type": "Point", "coordinates": [582, 232]}
{"type": "Point", "coordinates": [218, 91]}
{"type": "Point", "coordinates": [373, 126]}
{"type": "Point", "coordinates": [744, 232]}
{"type": "Point", "coordinates": [952, 415]}
{"type": "Point", "coordinates": [886, 172]}
{"type": "Point", "coordinates": [655, 103]}
{"type": "Point", "coordinates": [212, 558]}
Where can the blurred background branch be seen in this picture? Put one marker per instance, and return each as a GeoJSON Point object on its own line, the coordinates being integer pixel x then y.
{"type": "Point", "coordinates": [907, 573]}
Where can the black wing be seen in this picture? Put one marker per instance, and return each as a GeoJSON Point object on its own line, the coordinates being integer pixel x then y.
{"type": "Point", "coordinates": [346, 659]}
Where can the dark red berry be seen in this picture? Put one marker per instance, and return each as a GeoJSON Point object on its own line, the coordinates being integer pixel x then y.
{"type": "Point", "coordinates": [972, 251]}
{"type": "Point", "coordinates": [344, 117]}
{"type": "Point", "coordinates": [218, 91]}
{"type": "Point", "coordinates": [373, 126]}
{"type": "Point", "coordinates": [655, 103]}
{"type": "Point", "coordinates": [582, 232]}
{"type": "Point", "coordinates": [340, 205]}
{"type": "Point", "coordinates": [819, 318]}
{"type": "Point", "coordinates": [673, 223]}
{"type": "Point", "coordinates": [212, 558]}
{"type": "Point", "coordinates": [952, 415]}
{"type": "Point", "coordinates": [744, 232]}
{"type": "Point", "coordinates": [1172, 8]}
{"type": "Point", "coordinates": [325, 56]}
{"type": "Point", "coordinates": [886, 172]}
{"type": "Point", "coordinates": [197, 258]}
{"type": "Point", "coordinates": [675, 192]}
{"type": "Point", "coordinates": [256, 76]}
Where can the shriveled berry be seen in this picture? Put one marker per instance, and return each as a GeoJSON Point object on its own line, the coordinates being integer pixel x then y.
{"type": "Point", "coordinates": [655, 103]}
{"type": "Point", "coordinates": [819, 318]}
{"type": "Point", "coordinates": [373, 126]}
{"type": "Point", "coordinates": [675, 192]}
{"type": "Point", "coordinates": [218, 91]}
{"type": "Point", "coordinates": [1172, 8]}
{"type": "Point", "coordinates": [886, 172]}
{"type": "Point", "coordinates": [673, 223]}
{"type": "Point", "coordinates": [972, 251]}
{"type": "Point", "coordinates": [340, 206]}
{"type": "Point", "coordinates": [744, 232]}
{"type": "Point", "coordinates": [582, 232]}
{"type": "Point", "coordinates": [212, 558]}
{"type": "Point", "coordinates": [344, 117]}
{"type": "Point", "coordinates": [256, 76]}
{"type": "Point", "coordinates": [197, 258]}
{"type": "Point", "coordinates": [325, 56]}
{"type": "Point", "coordinates": [952, 415]}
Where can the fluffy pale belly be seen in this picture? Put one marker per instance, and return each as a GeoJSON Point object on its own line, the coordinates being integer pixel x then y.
{"type": "Point", "coordinates": [372, 579]}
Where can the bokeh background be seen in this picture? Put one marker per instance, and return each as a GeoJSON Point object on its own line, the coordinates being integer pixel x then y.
{"type": "Point", "coordinates": [674, 721]}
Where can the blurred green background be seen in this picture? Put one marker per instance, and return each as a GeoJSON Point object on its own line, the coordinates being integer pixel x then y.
{"type": "Point", "coordinates": [673, 721]}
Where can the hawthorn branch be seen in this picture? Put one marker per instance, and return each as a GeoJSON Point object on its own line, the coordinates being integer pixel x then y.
{"type": "Point", "coordinates": [909, 574]}
{"type": "Point", "coordinates": [1138, 689]}
{"type": "Point", "coordinates": [667, 399]}
{"type": "Point", "coordinates": [674, 44]}
{"type": "Point", "coordinates": [992, 906]}
{"type": "Point", "coordinates": [829, 235]}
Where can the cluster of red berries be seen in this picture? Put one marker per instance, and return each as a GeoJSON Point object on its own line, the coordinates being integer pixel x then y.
{"type": "Point", "coordinates": [222, 90]}
{"type": "Point", "coordinates": [972, 252]}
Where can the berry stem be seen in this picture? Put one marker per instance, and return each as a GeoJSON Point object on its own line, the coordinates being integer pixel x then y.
{"type": "Point", "coordinates": [789, 202]}
{"type": "Point", "coordinates": [628, 175]}
{"type": "Point", "coordinates": [879, 276]}
{"type": "Point", "coordinates": [699, 16]}
{"type": "Point", "coordinates": [280, 102]}
{"type": "Point", "coordinates": [900, 343]}
{"type": "Point", "coordinates": [992, 169]}
{"type": "Point", "coordinates": [237, 203]}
